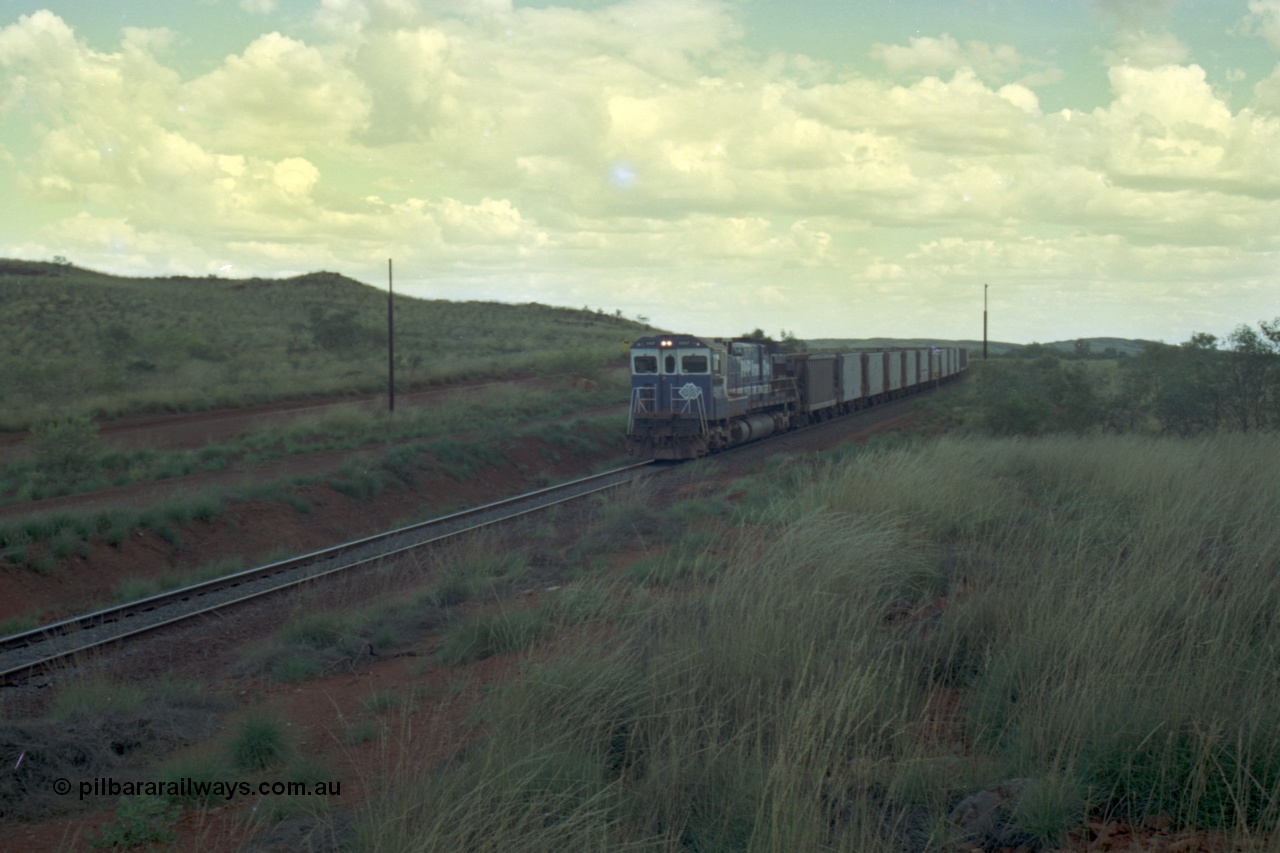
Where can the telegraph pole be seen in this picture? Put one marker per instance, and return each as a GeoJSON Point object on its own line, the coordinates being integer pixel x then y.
{"type": "Point", "coordinates": [391, 345]}
{"type": "Point", "coordinates": [984, 321]}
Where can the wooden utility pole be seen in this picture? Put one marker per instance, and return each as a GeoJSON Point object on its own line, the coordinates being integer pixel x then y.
{"type": "Point", "coordinates": [984, 321]}
{"type": "Point", "coordinates": [391, 345]}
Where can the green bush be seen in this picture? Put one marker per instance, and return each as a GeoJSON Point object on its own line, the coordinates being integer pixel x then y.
{"type": "Point", "coordinates": [260, 744]}
{"type": "Point", "coordinates": [66, 446]}
{"type": "Point", "coordinates": [486, 635]}
{"type": "Point", "coordinates": [138, 821]}
{"type": "Point", "coordinates": [1013, 413]}
{"type": "Point", "coordinates": [456, 587]}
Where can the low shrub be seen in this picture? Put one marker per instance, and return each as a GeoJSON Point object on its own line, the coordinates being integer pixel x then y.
{"type": "Point", "coordinates": [66, 446]}
{"type": "Point", "coordinates": [138, 821]}
{"type": "Point", "coordinates": [260, 743]}
{"type": "Point", "coordinates": [488, 634]}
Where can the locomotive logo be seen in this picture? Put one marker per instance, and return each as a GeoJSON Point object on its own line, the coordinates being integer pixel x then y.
{"type": "Point", "coordinates": [690, 391]}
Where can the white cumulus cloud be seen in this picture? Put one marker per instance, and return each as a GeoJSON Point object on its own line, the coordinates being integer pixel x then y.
{"type": "Point", "coordinates": [926, 55]}
{"type": "Point", "coordinates": [638, 147]}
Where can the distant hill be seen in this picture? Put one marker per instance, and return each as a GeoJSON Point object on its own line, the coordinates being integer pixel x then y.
{"type": "Point", "coordinates": [73, 339]}
{"type": "Point", "coordinates": [884, 343]}
{"type": "Point", "coordinates": [1129, 346]}
{"type": "Point", "coordinates": [1097, 346]}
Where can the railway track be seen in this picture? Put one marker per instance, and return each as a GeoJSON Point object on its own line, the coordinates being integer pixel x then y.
{"type": "Point", "coordinates": [24, 654]}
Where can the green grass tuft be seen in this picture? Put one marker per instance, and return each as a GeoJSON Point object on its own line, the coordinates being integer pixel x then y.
{"type": "Point", "coordinates": [261, 743]}
{"type": "Point", "coordinates": [486, 635]}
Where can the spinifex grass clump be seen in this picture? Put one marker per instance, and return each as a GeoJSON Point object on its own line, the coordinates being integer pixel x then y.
{"type": "Point", "coordinates": [260, 743]}
{"type": "Point", "coordinates": [484, 635]}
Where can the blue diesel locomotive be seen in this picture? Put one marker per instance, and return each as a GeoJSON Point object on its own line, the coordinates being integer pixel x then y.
{"type": "Point", "coordinates": [692, 396]}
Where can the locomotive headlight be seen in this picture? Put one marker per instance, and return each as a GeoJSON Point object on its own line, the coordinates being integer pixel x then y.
{"type": "Point", "coordinates": [665, 342]}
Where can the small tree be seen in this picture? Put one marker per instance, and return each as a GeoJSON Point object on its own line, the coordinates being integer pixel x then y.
{"type": "Point", "coordinates": [1248, 382]}
{"type": "Point", "coordinates": [1070, 393]}
{"type": "Point", "coordinates": [1184, 384]}
{"type": "Point", "coordinates": [790, 343]}
{"type": "Point", "coordinates": [1271, 331]}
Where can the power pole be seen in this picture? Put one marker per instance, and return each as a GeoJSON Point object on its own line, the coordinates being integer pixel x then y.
{"type": "Point", "coordinates": [984, 321]}
{"type": "Point", "coordinates": [391, 345]}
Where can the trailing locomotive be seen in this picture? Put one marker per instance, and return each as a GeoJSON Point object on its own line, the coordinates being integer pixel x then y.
{"type": "Point", "coordinates": [692, 396]}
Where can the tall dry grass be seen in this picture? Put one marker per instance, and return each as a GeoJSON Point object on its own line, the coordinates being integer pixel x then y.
{"type": "Point", "coordinates": [1097, 616]}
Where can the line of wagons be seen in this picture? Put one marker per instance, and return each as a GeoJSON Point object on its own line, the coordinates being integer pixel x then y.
{"type": "Point", "coordinates": [692, 396]}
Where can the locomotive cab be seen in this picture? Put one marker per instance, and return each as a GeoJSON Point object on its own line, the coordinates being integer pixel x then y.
{"type": "Point", "coordinates": [672, 375]}
{"type": "Point", "coordinates": [675, 380]}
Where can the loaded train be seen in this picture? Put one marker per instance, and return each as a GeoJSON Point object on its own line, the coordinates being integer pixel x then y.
{"type": "Point", "coordinates": [693, 396]}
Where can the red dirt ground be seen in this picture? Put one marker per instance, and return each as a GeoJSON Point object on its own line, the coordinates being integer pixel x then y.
{"type": "Point", "coordinates": [254, 530]}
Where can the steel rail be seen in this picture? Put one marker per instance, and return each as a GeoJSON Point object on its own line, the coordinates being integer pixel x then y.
{"type": "Point", "coordinates": [78, 634]}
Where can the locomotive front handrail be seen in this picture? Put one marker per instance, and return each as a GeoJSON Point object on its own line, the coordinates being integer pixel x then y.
{"type": "Point", "coordinates": [643, 400]}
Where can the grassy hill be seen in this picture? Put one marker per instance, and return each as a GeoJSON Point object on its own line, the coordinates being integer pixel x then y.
{"type": "Point", "coordinates": [881, 343]}
{"type": "Point", "coordinates": [1097, 346]}
{"type": "Point", "coordinates": [75, 341]}
{"type": "Point", "coordinates": [1127, 346]}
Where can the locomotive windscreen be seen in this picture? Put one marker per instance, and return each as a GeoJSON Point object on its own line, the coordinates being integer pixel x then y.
{"type": "Point", "coordinates": [693, 363]}
{"type": "Point", "coordinates": [644, 362]}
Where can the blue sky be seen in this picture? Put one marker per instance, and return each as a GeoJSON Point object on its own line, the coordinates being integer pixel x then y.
{"type": "Point", "coordinates": [831, 168]}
